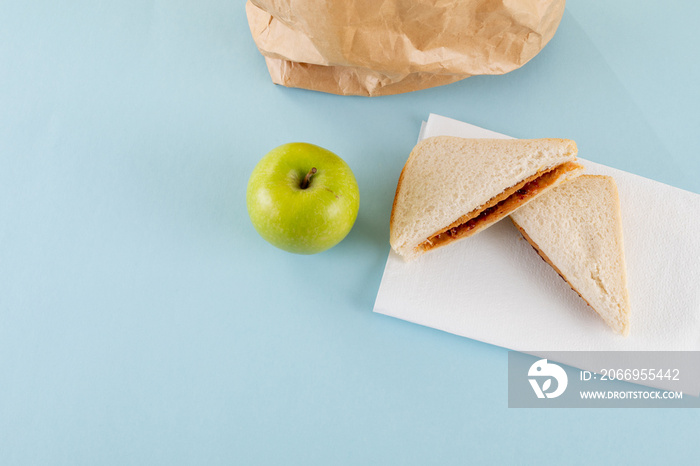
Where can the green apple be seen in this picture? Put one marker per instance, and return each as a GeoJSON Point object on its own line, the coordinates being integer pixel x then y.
{"type": "Point", "coordinates": [302, 198]}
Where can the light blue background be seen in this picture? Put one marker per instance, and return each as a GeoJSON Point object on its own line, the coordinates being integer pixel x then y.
{"type": "Point", "coordinates": [143, 320]}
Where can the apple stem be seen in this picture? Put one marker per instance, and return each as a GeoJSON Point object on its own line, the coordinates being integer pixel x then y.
{"type": "Point", "coordinates": [305, 182]}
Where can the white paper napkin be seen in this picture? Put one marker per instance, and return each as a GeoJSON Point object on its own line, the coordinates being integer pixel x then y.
{"type": "Point", "coordinates": [493, 287]}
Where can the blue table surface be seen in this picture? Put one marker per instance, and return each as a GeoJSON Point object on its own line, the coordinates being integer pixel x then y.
{"type": "Point", "coordinates": [144, 321]}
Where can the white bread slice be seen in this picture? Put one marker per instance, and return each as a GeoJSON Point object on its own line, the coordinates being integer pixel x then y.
{"type": "Point", "coordinates": [453, 187]}
{"type": "Point", "coordinates": [577, 229]}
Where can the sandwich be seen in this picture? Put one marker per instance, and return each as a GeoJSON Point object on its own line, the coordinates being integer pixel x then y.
{"type": "Point", "coordinates": [577, 229]}
{"type": "Point", "coordinates": [451, 188]}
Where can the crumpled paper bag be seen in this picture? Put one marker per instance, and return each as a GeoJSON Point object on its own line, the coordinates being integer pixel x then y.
{"type": "Point", "coordinates": [370, 48]}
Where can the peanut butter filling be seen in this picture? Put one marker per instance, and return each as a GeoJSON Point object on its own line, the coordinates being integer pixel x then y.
{"type": "Point", "coordinates": [499, 206]}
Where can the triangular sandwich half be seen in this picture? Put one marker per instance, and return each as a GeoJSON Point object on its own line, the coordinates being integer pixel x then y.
{"type": "Point", "coordinates": [577, 229]}
{"type": "Point", "coordinates": [451, 187]}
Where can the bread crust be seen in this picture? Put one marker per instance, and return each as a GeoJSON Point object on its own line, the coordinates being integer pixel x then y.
{"type": "Point", "coordinates": [396, 196]}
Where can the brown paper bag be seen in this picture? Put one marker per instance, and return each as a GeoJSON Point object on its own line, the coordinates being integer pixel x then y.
{"type": "Point", "coordinates": [373, 47]}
